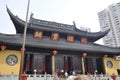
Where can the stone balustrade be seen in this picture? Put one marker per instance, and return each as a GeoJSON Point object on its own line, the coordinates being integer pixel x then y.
{"type": "Point", "coordinates": [50, 77]}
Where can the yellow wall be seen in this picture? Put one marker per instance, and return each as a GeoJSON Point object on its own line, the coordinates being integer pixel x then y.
{"type": "Point", "coordinates": [116, 65]}
{"type": "Point", "coordinates": [4, 67]}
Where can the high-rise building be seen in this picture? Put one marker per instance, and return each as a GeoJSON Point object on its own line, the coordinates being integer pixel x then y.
{"type": "Point", "coordinates": [110, 18]}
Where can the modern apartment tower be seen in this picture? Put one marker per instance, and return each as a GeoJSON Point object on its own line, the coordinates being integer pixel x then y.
{"type": "Point", "coordinates": [110, 18]}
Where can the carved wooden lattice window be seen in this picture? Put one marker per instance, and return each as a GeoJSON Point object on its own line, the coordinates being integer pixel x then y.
{"type": "Point", "coordinates": [27, 62]}
{"type": "Point", "coordinates": [38, 63]}
{"type": "Point", "coordinates": [83, 40]}
{"type": "Point", "coordinates": [55, 36]}
{"type": "Point", "coordinates": [77, 65]}
{"type": "Point", "coordinates": [59, 63]}
{"type": "Point", "coordinates": [70, 38]}
{"type": "Point", "coordinates": [38, 34]}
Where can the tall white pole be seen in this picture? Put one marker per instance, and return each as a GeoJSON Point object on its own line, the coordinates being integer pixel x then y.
{"type": "Point", "coordinates": [23, 45]}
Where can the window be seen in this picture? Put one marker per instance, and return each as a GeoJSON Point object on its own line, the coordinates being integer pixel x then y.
{"type": "Point", "coordinates": [109, 64]}
{"type": "Point", "coordinates": [11, 60]}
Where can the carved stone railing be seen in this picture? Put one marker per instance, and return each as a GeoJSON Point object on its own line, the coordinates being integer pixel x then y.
{"type": "Point", "coordinates": [27, 77]}
{"type": "Point", "coordinates": [50, 77]}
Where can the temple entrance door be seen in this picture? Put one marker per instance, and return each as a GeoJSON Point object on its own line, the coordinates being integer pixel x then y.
{"type": "Point", "coordinates": [89, 65]}
{"type": "Point", "coordinates": [37, 63]}
{"type": "Point", "coordinates": [92, 64]}
{"type": "Point", "coordinates": [48, 59]}
{"type": "Point", "coordinates": [68, 64]}
{"type": "Point", "coordinates": [99, 62]}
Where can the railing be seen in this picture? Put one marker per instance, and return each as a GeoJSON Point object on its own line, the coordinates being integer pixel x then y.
{"type": "Point", "coordinates": [27, 77]}
{"type": "Point", "coordinates": [50, 77]}
{"type": "Point", "coordinates": [103, 77]}
{"type": "Point", "coordinates": [8, 77]}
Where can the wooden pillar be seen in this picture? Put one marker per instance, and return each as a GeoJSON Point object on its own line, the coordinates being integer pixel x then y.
{"type": "Point", "coordinates": [83, 66]}
{"type": "Point", "coordinates": [53, 64]}
{"type": "Point", "coordinates": [53, 61]}
{"type": "Point", "coordinates": [83, 62]}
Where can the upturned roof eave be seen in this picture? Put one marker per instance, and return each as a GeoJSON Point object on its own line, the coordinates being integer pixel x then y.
{"type": "Point", "coordinates": [47, 43]}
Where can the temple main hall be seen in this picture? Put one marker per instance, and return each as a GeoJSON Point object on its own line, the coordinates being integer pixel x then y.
{"type": "Point", "coordinates": [56, 47]}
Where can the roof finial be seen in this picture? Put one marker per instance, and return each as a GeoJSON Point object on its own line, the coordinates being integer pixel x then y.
{"type": "Point", "coordinates": [31, 15]}
{"type": "Point", "coordinates": [74, 24]}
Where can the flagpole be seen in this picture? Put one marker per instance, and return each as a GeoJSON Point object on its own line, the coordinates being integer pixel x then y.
{"type": "Point", "coordinates": [23, 45]}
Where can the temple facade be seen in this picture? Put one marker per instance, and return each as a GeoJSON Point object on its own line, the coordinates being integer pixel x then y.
{"type": "Point", "coordinates": [56, 47]}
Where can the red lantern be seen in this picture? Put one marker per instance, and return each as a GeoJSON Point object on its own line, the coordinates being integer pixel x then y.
{"type": "Point", "coordinates": [54, 52]}
{"type": "Point", "coordinates": [84, 54]}
{"type": "Point", "coordinates": [114, 57]}
{"type": "Point", "coordinates": [3, 47]}
{"type": "Point", "coordinates": [105, 56]}
{"type": "Point", "coordinates": [22, 49]}
{"type": "Point", "coordinates": [12, 72]}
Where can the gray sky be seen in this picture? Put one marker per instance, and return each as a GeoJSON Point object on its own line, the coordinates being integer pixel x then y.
{"type": "Point", "coordinates": [83, 12]}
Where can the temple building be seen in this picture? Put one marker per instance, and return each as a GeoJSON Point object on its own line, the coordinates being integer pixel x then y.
{"type": "Point", "coordinates": [52, 46]}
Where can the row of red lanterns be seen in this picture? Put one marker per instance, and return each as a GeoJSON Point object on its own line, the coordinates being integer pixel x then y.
{"type": "Point", "coordinates": [23, 49]}
{"type": "Point", "coordinates": [3, 47]}
{"type": "Point", "coordinates": [114, 57]}
{"type": "Point", "coordinates": [55, 52]}
{"type": "Point", "coordinates": [105, 56]}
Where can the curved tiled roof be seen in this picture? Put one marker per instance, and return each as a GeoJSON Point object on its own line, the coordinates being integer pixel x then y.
{"type": "Point", "coordinates": [54, 27]}
{"type": "Point", "coordinates": [16, 39]}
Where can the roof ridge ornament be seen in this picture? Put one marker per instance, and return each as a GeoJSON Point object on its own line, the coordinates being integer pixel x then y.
{"type": "Point", "coordinates": [31, 15]}
{"type": "Point", "coordinates": [74, 24]}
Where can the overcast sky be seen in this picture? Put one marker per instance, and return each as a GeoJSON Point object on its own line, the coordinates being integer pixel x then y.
{"type": "Point", "coordinates": [83, 12]}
